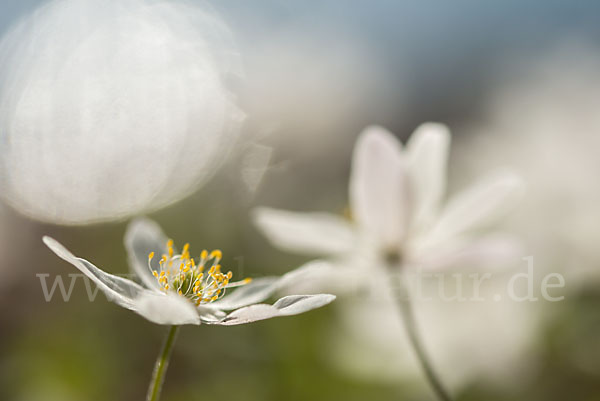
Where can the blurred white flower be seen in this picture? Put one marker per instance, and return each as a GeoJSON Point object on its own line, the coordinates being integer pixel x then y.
{"type": "Point", "coordinates": [396, 199]}
{"type": "Point", "coordinates": [543, 119]}
{"type": "Point", "coordinates": [177, 291]}
{"type": "Point", "coordinates": [115, 107]}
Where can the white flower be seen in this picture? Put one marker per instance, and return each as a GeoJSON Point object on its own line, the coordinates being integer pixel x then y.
{"type": "Point", "coordinates": [123, 114]}
{"type": "Point", "coordinates": [396, 198]}
{"type": "Point", "coordinates": [178, 290]}
{"type": "Point", "coordinates": [396, 201]}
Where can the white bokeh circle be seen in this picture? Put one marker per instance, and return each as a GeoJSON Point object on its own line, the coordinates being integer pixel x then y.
{"type": "Point", "coordinates": [110, 108]}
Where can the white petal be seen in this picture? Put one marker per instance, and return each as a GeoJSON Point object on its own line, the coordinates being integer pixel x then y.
{"type": "Point", "coordinates": [118, 289]}
{"type": "Point", "coordinates": [210, 315]}
{"type": "Point", "coordinates": [314, 233]}
{"type": "Point", "coordinates": [427, 154]}
{"type": "Point", "coordinates": [142, 237]}
{"type": "Point", "coordinates": [256, 291]}
{"type": "Point", "coordinates": [307, 272]}
{"type": "Point", "coordinates": [262, 288]}
{"type": "Point", "coordinates": [286, 306]}
{"type": "Point", "coordinates": [477, 206]}
{"type": "Point", "coordinates": [378, 186]}
{"type": "Point", "coordinates": [166, 308]}
{"type": "Point", "coordinates": [492, 251]}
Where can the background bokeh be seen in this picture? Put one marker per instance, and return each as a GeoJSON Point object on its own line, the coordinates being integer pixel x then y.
{"type": "Point", "coordinates": [518, 84]}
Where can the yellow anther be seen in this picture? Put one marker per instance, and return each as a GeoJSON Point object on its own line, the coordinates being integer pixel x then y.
{"type": "Point", "coordinates": [247, 280]}
{"type": "Point", "coordinates": [170, 248]}
{"type": "Point", "coordinates": [191, 280]}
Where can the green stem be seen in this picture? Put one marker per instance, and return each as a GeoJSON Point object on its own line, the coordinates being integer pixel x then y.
{"type": "Point", "coordinates": [410, 325]}
{"type": "Point", "coordinates": [160, 367]}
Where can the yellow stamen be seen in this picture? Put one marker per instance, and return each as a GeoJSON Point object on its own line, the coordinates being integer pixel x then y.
{"type": "Point", "coordinates": [190, 280]}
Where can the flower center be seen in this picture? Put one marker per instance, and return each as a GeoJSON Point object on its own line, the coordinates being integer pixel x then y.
{"type": "Point", "coordinates": [201, 282]}
{"type": "Point", "coordinates": [392, 257]}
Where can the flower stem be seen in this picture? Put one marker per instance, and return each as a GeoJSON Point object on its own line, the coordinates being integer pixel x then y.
{"type": "Point", "coordinates": [410, 324]}
{"type": "Point", "coordinates": [160, 367]}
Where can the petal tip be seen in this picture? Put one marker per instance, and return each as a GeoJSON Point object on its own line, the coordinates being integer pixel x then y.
{"type": "Point", "coordinates": [328, 298]}
{"type": "Point", "coordinates": [377, 135]}
{"type": "Point", "coordinates": [57, 248]}
{"type": "Point", "coordinates": [432, 133]}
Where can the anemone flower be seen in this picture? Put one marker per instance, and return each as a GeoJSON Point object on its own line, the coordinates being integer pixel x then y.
{"type": "Point", "coordinates": [177, 289]}
{"type": "Point", "coordinates": [398, 219]}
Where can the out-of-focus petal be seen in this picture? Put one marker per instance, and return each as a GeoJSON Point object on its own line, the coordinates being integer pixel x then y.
{"type": "Point", "coordinates": [142, 237]}
{"type": "Point", "coordinates": [256, 291]}
{"type": "Point", "coordinates": [315, 233]}
{"type": "Point", "coordinates": [427, 157]}
{"type": "Point", "coordinates": [492, 251]}
{"type": "Point", "coordinates": [378, 185]}
{"type": "Point", "coordinates": [286, 306]}
{"type": "Point", "coordinates": [118, 289]}
{"type": "Point", "coordinates": [479, 205]}
{"type": "Point", "coordinates": [166, 308]}
{"type": "Point", "coordinates": [313, 270]}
